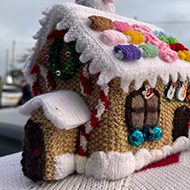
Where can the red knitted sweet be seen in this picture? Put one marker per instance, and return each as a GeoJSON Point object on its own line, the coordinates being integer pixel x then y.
{"type": "Point", "coordinates": [178, 47]}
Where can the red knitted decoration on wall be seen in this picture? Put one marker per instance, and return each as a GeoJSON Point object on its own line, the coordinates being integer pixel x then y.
{"type": "Point", "coordinates": [86, 84]}
{"type": "Point", "coordinates": [81, 152]}
{"type": "Point", "coordinates": [85, 80]}
{"type": "Point", "coordinates": [35, 69]}
{"type": "Point", "coordinates": [35, 87]}
{"type": "Point", "coordinates": [51, 84]}
{"type": "Point", "coordinates": [36, 152]}
{"type": "Point", "coordinates": [84, 136]}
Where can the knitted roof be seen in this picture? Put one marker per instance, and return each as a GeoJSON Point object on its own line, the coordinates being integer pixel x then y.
{"type": "Point", "coordinates": [74, 17]}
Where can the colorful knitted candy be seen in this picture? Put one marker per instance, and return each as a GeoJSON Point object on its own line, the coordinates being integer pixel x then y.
{"type": "Point", "coordinates": [99, 23]}
{"type": "Point", "coordinates": [181, 55]}
{"type": "Point", "coordinates": [157, 133]}
{"type": "Point", "coordinates": [172, 40]}
{"type": "Point", "coordinates": [113, 37]}
{"type": "Point", "coordinates": [148, 134]}
{"type": "Point", "coordinates": [127, 52]}
{"type": "Point", "coordinates": [163, 38]}
{"type": "Point", "coordinates": [162, 46]}
{"type": "Point", "coordinates": [141, 28]}
{"type": "Point", "coordinates": [187, 53]}
{"type": "Point", "coordinates": [122, 26]}
{"type": "Point", "coordinates": [161, 33]}
{"type": "Point", "coordinates": [148, 50]}
{"type": "Point", "coordinates": [174, 44]}
{"type": "Point", "coordinates": [136, 138]}
{"type": "Point", "coordinates": [168, 55]}
{"type": "Point", "coordinates": [135, 36]}
{"type": "Point", "coordinates": [177, 47]}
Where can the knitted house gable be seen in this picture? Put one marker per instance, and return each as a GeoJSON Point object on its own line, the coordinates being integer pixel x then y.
{"type": "Point", "coordinates": [88, 43]}
{"type": "Point", "coordinates": [112, 95]}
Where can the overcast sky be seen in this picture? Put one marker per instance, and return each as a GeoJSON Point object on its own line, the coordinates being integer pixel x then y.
{"type": "Point", "coordinates": [19, 20]}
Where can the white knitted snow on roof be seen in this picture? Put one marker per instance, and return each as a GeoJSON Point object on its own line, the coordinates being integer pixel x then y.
{"type": "Point", "coordinates": [75, 18]}
{"type": "Point", "coordinates": [65, 109]}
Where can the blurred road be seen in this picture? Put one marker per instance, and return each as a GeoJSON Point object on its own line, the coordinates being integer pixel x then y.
{"type": "Point", "coordinates": [12, 123]}
{"type": "Point", "coordinates": [11, 130]}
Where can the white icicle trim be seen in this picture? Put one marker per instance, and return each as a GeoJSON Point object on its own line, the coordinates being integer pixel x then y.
{"type": "Point", "coordinates": [114, 165]}
{"type": "Point", "coordinates": [92, 48]}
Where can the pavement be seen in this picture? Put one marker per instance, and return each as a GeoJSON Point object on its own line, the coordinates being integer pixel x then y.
{"type": "Point", "coordinates": [12, 123]}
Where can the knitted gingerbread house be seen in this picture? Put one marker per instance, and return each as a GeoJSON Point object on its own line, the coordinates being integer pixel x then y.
{"type": "Point", "coordinates": [111, 95]}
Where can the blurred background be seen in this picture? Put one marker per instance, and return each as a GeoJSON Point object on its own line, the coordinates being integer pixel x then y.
{"type": "Point", "coordinates": [19, 21]}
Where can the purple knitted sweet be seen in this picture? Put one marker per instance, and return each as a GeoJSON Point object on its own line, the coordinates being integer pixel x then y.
{"type": "Point", "coordinates": [127, 52]}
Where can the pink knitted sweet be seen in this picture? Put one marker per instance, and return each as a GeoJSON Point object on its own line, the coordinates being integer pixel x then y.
{"type": "Point", "coordinates": [165, 53]}
{"type": "Point", "coordinates": [162, 46]}
{"type": "Point", "coordinates": [150, 38]}
{"type": "Point", "coordinates": [122, 26]}
{"type": "Point", "coordinates": [141, 28]}
{"type": "Point", "coordinates": [168, 56]}
{"type": "Point", "coordinates": [113, 37]}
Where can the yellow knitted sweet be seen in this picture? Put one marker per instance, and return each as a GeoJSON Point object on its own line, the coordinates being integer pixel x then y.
{"type": "Point", "coordinates": [181, 55]}
{"type": "Point", "coordinates": [187, 53]}
{"type": "Point", "coordinates": [136, 37]}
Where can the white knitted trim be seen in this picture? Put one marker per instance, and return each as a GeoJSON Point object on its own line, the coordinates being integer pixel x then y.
{"type": "Point", "coordinates": [65, 109]}
{"type": "Point", "coordinates": [80, 163]}
{"type": "Point", "coordinates": [92, 48]}
{"type": "Point", "coordinates": [114, 165]}
{"type": "Point", "coordinates": [64, 165]}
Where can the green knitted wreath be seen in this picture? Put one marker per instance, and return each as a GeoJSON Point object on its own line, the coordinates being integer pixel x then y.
{"type": "Point", "coordinates": [56, 67]}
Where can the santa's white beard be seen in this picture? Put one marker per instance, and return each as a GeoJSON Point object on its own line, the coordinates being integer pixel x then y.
{"type": "Point", "coordinates": [104, 5]}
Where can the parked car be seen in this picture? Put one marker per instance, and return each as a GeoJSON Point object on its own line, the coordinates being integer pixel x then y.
{"type": "Point", "coordinates": [10, 95]}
